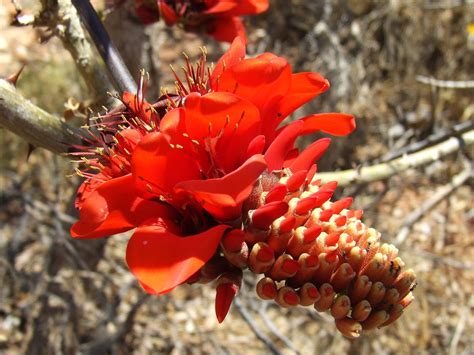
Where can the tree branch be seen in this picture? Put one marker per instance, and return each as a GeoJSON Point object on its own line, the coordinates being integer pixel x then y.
{"type": "Point", "coordinates": [62, 18]}
{"type": "Point", "coordinates": [385, 170]}
{"type": "Point", "coordinates": [117, 69]}
{"type": "Point", "coordinates": [446, 84]}
{"type": "Point", "coordinates": [32, 123]}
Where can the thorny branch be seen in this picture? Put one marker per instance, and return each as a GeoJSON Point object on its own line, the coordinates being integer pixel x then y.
{"type": "Point", "coordinates": [437, 137]}
{"type": "Point", "coordinates": [385, 170]}
{"type": "Point", "coordinates": [33, 124]}
{"type": "Point", "coordinates": [62, 19]}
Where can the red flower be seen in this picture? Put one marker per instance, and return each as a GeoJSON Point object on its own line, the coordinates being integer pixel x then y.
{"type": "Point", "coordinates": [218, 18]}
{"type": "Point", "coordinates": [183, 178]}
{"type": "Point", "coordinates": [212, 183]}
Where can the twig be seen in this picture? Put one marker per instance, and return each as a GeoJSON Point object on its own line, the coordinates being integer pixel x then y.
{"type": "Point", "coordinates": [61, 17]}
{"type": "Point", "coordinates": [257, 331]}
{"type": "Point", "coordinates": [114, 62]}
{"type": "Point", "coordinates": [385, 170]}
{"type": "Point", "coordinates": [102, 345]}
{"type": "Point", "coordinates": [437, 197]}
{"type": "Point", "coordinates": [446, 84]}
{"type": "Point", "coordinates": [271, 326]}
{"type": "Point", "coordinates": [33, 124]}
{"type": "Point", "coordinates": [454, 263]}
{"type": "Point", "coordinates": [463, 315]}
{"type": "Point", "coordinates": [437, 137]}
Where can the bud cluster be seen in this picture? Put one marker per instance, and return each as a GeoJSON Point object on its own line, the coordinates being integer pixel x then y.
{"type": "Point", "coordinates": [314, 252]}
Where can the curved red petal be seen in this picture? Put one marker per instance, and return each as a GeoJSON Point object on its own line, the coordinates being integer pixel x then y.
{"type": "Point", "coordinates": [234, 55]}
{"type": "Point", "coordinates": [337, 124]}
{"type": "Point", "coordinates": [161, 260]}
{"type": "Point", "coordinates": [283, 143]}
{"type": "Point", "coordinates": [157, 165]}
{"type": "Point", "coordinates": [217, 113]}
{"type": "Point", "coordinates": [225, 294]}
{"type": "Point", "coordinates": [261, 80]}
{"type": "Point", "coordinates": [221, 6]}
{"type": "Point", "coordinates": [139, 106]}
{"type": "Point", "coordinates": [87, 187]}
{"type": "Point", "coordinates": [223, 124]}
{"type": "Point", "coordinates": [114, 207]}
{"type": "Point", "coordinates": [256, 146]}
{"type": "Point", "coordinates": [311, 154]}
{"type": "Point", "coordinates": [303, 88]}
{"type": "Point", "coordinates": [226, 29]}
{"type": "Point", "coordinates": [249, 7]}
{"type": "Point", "coordinates": [223, 197]}
{"type": "Point", "coordinates": [167, 13]}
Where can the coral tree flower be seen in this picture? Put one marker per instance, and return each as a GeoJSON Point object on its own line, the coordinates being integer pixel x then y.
{"type": "Point", "coordinates": [212, 183]}
{"type": "Point", "coordinates": [218, 18]}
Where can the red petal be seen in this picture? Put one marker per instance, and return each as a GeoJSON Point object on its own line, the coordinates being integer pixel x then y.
{"type": "Point", "coordinates": [311, 154]}
{"type": "Point", "coordinates": [114, 208]}
{"type": "Point", "coordinates": [256, 146]}
{"type": "Point", "coordinates": [224, 124]}
{"type": "Point", "coordinates": [221, 6]}
{"type": "Point", "coordinates": [234, 54]}
{"type": "Point", "coordinates": [225, 294]}
{"type": "Point", "coordinates": [157, 167]}
{"type": "Point", "coordinates": [223, 197]}
{"type": "Point", "coordinates": [217, 113]}
{"type": "Point", "coordinates": [283, 143]}
{"type": "Point", "coordinates": [87, 187]}
{"type": "Point", "coordinates": [161, 260]}
{"type": "Point", "coordinates": [303, 88]}
{"type": "Point", "coordinates": [337, 124]}
{"type": "Point", "coordinates": [261, 80]}
{"type": "Point", "coordinates": [226, 29]}
{"type": "Point", "coordinates": [139, 106]}
{"type": "Point", "coordinates": [167, 13]}
{"type": "Point", "coordinates": [249, 7]}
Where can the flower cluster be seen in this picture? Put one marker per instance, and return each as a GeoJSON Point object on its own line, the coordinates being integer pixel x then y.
{"type": "Point", "coordinates": [212, 183]}
{"type": "Point", "coordinates": [218, 18]}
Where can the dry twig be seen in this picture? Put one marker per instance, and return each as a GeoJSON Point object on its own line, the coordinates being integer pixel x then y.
{"type": "Point", "coordinates": [61, 17]}
{"type": "Point", "coordinates": [437, 197]}
{"type": "Point", "coordinates": [385, 170]}
{"type": "Point", "coordinates": [446, 84]}
{"type": "Point", "coordinates": [255, 328]}
{"type": "Point", "coordinates": [437, 137]}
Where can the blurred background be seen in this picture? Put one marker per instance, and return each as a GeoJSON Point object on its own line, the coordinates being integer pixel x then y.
{"type": "Point", "coordinates": [59, 295]}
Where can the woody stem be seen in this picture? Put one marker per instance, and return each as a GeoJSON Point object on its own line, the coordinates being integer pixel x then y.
{"type": "Point", "coordinates": [33, 124]}
{"type": "Point", "coordinates": [123, 80]}
{"type": "Point", "coordinates": [366, 174]}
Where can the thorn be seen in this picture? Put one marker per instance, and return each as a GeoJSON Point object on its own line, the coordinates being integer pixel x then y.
{"type": "Point", "coordinates": [31, 148]}
{"type": "Point", "coordinates": [12, 79]}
